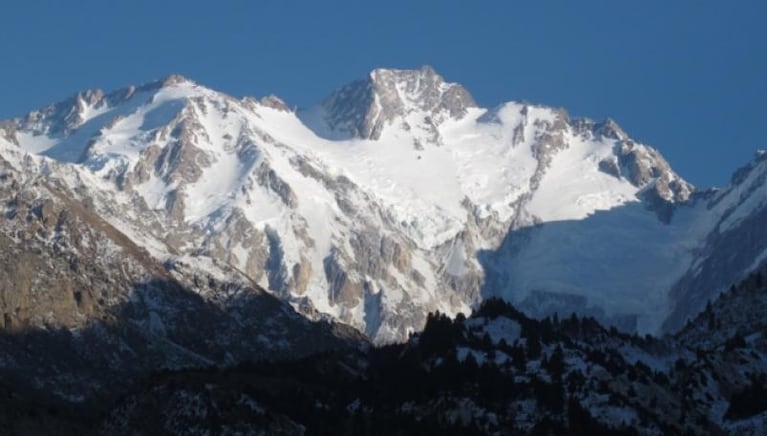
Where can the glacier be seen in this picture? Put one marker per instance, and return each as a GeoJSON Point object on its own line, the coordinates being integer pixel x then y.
{"type": "Point", "coordinates": [394, 197]}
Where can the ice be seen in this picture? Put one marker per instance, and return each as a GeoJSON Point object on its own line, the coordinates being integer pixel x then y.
{"type": "Point", "coordinates": [622, 260]}
{"type": "Point", "coordinates": [568, 227]}
{"type": "Point", "coordinates": [572, 189]}
{"type": "Point", "coordinates": [35, 143]}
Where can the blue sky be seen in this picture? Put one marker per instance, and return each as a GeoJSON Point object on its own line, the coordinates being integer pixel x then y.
{"type": "Point", "coordinates": [688, 77]}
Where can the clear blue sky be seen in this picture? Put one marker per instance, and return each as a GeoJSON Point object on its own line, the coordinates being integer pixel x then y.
{"type": "Point", "coordinates": [688, 77]}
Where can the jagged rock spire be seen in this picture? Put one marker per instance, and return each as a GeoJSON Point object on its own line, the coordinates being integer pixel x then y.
{"type": "Point", "coordinates": [364, 107]}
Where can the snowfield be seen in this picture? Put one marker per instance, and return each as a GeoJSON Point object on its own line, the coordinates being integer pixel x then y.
{"type": "Point", "coordinates": [394, 197]}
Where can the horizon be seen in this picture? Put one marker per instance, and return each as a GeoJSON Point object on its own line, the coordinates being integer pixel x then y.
{"type": "Point", "coordinates": [686, 78]}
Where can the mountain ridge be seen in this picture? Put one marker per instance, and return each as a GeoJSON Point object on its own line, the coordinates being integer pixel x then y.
{"type": "Point", "coordinates": [386, 219]}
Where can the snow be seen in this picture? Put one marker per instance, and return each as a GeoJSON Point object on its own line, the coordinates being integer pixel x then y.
{"type": "Point", "coordinates": [424, 189]}
{"type": "Point", "coordinates": [155, 191]}
{"type": "Point", "coordinates": [251, 404]}
{"type": "Point", "coordinates": [422, 195]}
{"type": "Point", "coordinates": [35, 143]}
{"type": "Point", "coordinates": [498, 329]}
{"type": "Point", "coordinates": [463, 352]}
{"type": "Point", "coordinates": [738, 203]}
{"type": "Point", "coordinates": [660, 363]}
{"type": "Point", "coordinates": [573, 190]}
{"type": "Point", "coordinates": [354, 405]}
{"type": "Point", "coordinates": [758, 261]}
{"type": "Point", "coordinates": [72, 147]}
{"type": "Point", "coordinates": [456, 259]}
{"type": "Point", "coordinates": [615, 414]}
{"type": "Point", "coordinates": [598, 240]}
{"type": "Point", "coordinates": [625, 251]}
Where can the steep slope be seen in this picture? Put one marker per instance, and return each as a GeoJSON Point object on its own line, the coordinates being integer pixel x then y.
{"type": "Point", "coordinates": [394, 197]}
{"type": "Point", "coordinates": [496, 372]}
{"type": "Point", "coordinates": [364, 108]}
{"type": "Point", "coordinates": [735, 246]}
{"type": "Point", "coordinates": [727, 376]}
{"type": "Point", "coordinates": [84, 309]}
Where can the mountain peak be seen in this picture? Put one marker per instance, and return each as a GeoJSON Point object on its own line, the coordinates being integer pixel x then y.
{"type": "Point", "coordinates": [424, 88]}
{"type": "Point", "coordinates": [426, 73]}
{"type": "Point", "coordinates": [174, 79]}
{"type": "Point", "coordinates": [742, 173]}
{"type": "Point", "coordinates": [364, 107]}
{"type": "Point", "coordinates": [609, 128]}
{"type": "Point", "coordinates": [168, 81]}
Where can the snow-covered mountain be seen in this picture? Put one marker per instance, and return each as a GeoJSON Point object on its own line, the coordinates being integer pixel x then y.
{"type": "Point", "coordinates": [84, 310]}
{"type": "Point", "coordinates": [397, 196]}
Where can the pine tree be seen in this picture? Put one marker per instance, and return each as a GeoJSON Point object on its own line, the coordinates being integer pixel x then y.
{"type": "Point", "coordinates": [533, 344]}
{"type": "Point", "coordinates": [556, 363]}
{"type": "Point", "coordinates": [487, 342]}
{"type": "Point", "coordinates": [518, 357]}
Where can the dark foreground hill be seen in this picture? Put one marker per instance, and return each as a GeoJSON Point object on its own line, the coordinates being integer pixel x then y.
{"type": "Point", "coordinates": [495, 372]}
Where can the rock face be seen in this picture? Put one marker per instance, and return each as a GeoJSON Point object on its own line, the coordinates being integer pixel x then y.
{"type": "Point", "coordinates": [364, 108]}
{"type": "Point", "coordinates": [83, 308]}
{"type": "Point", "coordinates": [736, 245]}
{"type": "Point", "coordinates": [395, 197]}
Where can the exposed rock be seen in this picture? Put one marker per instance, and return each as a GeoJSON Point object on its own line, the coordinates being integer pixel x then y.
{"type": "Point", "coordinates": [610, 129]}
{"type": "Point", "coordinates": [8, 131]}
{"type": "Point", "coordinates": [173, 79]}
{"type": "Point", "coordinates": [274, 102]}
{"type": "Point", "coordinates": [642, 164]}
{"type": "Point", "coordinates": [342, 289]}
{"type": "Point", "coordinates": [82, 306]}
{"type": "Point", "coordinates": [269, 179]}
{"type": "Point", "coordinates": [197, 176]}
{"type": "Point", "coordinates": [363, 108]}
{"type": "Point", "coordinates": [610, 166]}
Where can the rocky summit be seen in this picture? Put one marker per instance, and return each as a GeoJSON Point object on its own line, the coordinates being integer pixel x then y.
{"type": "Point", "coordinates": [396, 196]}
{"type": "Point", "coordinates": [170, 227]}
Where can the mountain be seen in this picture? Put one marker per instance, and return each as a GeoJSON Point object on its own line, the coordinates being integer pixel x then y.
{"type": "Point", "coordinates": [364, 108]}
{"type": "Point", "coordinates": [397, 196]}
{"type": "Point", "coordinates": [496, 372]}
{"type": "Point", "coordinates": [84, 310]}
{"type": "Point", "coordinates": [174, 257]}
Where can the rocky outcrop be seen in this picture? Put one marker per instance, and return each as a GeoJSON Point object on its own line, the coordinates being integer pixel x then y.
{"type": "Point", "coordinates": [405, 198]}
{"type": "Point", "coordinates": [642, 164]}
{"type": "Point", "coordinates": [82, 305]}
{"type": "Point", "coordinates": [363, 108]}
{"type": "Point", "coordinates": [8, 131]}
